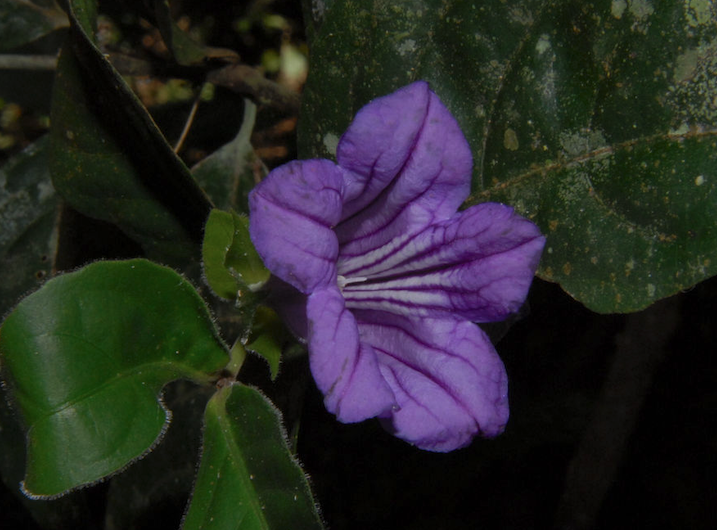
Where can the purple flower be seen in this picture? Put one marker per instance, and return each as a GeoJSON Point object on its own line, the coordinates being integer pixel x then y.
{"type": "Point", "coordinates": [392, 276]}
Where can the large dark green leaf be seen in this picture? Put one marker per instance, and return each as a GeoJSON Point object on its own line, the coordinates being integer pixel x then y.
{"type": "Point", "coordinates": [27, 217]}
{"type": "Point", "coordinates": [86, 357]}
{"type": "Point", "coordinates": [597, 120]}
{"type": "Point", "coordinates": [248, 478]}
{"type": "Point", "coordinates": [23, 21]}
{"type": "Point", "coordinates": [109, 160]}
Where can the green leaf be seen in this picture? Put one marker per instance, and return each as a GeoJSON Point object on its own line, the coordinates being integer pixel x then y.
{"type": "Point", "coordinates": [230, 173]}
{"type": "Point", "coordinates": [243, 259]}
{"type": "Point", "coordinates": [27, 215]}
{"type": "Point", "coordinates": [248, 478]}
{"type": "Point", "coordinates": [597, 121]}
{"type": "Point", "coordinates": [268, 338]}
{"type": "Point", "coordinates": [83, 17]}
{"type": "Point", "coordinates": [218, 238]}
{"type": "Point", "coordinates": [110, 162]}
{"type": "Point", "coordinates": [86, 357]}
{"type": "Point", "coordinates": [71, 511]}
{"type": "Point", "coordinates": [23, 21]}
{"type": "Point", "coordinates": [232, 267]}
{"type": "Point", "coordinates": [183, 48]}
{"type": "Point", "coordinates": [158, 486]}
{"type": "Point", "coordinates": [623, 233]}
{"type": "Point", "coordinates": [237, 355]}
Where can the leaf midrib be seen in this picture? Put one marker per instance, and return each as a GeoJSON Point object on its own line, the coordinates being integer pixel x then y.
{"type": "Point", "coordinates": [155, 366]}
{"type": "Point", "coordinates": [542, 172]}
{"type": "Point", "coordinates": [237, 456]}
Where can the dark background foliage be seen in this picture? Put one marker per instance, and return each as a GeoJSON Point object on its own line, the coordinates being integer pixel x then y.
{"type": "Point", "coordinates": [613, 417]}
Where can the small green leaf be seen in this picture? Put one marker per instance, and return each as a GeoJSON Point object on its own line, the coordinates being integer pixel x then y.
{"type": "Point", "coordinates": [218, 239]}
{"type": "Point", "coordinates": [232, 267]}
{"type": "Point", "coordinates": [243, 259]}
{"type": "Point", "coordinates": [27, 212]}
{"type": "Point", "coordinates": [248, 478]}
{"type": "Point", "coordinates": [23, 21]}
{"type": "Point", "coordinates": [268, 338]}
{"type": "Point", "coordinates": [86, 357]}
{"type": "Point", "coordinates": [229, 173]}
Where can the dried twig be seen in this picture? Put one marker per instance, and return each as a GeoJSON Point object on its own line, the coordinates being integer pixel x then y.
{"type": "Point", "coordinates": [27, 62]}
{"type": "Point", "coordinates": [249, 82]}
{"type": "Point", "coordinates": [240, 78]}
{"type": "Point", "coordinates": [188, 124]}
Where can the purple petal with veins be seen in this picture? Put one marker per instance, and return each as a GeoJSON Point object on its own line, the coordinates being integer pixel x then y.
{"type": "Point", "coordinates": [345, 368]}
{"type": "Point", "coordinates": [429, 186]}
{"type": "Point", "coordinates": [393, 277]}
{"type": "Point", "coordinates": [471, 266]}
{"type": "Point", "coordinates": [291, 216]}
{"type": "Point", "coordinates": [448, 381]}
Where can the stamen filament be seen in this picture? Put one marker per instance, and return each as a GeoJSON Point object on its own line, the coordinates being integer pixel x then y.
{"type": "Point", "coordinates": [343, 281]}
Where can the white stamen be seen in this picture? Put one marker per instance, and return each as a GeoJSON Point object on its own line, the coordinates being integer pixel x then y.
{"type": "Point", "coordinates": [343, 282]}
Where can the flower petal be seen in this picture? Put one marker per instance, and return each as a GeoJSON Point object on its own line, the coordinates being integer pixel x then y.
{"type": "Point", "coordinates": [408, 165]}
{"type": "Point", "coordinates": [448, 380]}
{"type": "Point", "coordinates": [292, 213]}
{"type": "Point", "coordinates": [379, 141]}
{"type": "Point", "coordinates": [345, 370]}
{"type": "Point", "coordinates": [478, 265]}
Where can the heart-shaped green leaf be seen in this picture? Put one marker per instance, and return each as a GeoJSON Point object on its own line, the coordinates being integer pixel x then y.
{"type": "Point", "coordinates": [248, 478]}
{"type": "Point", "coordinates": [86, 357]}
{"type": "Point", "coordinates": [597, 120]}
